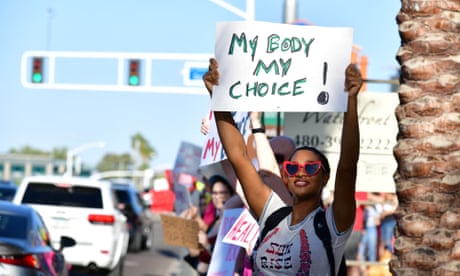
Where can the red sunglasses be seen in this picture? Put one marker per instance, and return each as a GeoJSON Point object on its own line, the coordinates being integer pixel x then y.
{"type": "Point", "coordinates": [310, 168]}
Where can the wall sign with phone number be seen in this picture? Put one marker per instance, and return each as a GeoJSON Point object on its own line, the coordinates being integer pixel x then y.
{"type": "Point", "coordinates": [323, 130]}
{"type": "Point", "coordinates": [333, 142]}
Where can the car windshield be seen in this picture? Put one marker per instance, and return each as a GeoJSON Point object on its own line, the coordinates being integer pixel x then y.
{"type": "Point", "coordinates": [73, 196]}
{"type": "Point", "coordinates": [122, 196]}
{"type": "Point", "coordinates": [12, 226]}
{"type": "Point", "coordinates": [7, 193]}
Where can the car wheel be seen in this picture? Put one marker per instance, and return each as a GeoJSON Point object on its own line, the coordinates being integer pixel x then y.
{"type": "Point", "coordinates": [120, 267]}
{"type": "Point", "coordinates": [102, 272]}
{"type": "Point", "coordinates": [136, 244]}
{"type": "Point", "coordinates": [147, 240]}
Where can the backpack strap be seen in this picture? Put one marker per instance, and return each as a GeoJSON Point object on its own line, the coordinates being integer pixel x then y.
{"type": "Point", "coordinates": [274, 219]}
{"type": "Point", "coordinates": [271, 222]}
{"type": "Point", "coordinates": [343, 267]}
{"type": "Point", "coordinates": [322, 231]}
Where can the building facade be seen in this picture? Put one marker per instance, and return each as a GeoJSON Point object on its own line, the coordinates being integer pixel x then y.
{"type": "Point", "coordinates": [15, 167]}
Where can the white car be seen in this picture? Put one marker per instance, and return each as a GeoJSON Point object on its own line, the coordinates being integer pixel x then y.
{"type": "Point", "coordinates": [85, 210]}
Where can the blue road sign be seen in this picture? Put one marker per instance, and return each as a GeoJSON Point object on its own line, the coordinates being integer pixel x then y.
{"type": "Point", "coordinates": [193, 73]}
{"type": "Point", "coordinates": [197, 73]}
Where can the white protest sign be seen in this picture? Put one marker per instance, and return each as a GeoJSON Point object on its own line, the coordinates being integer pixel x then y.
{"type": "Point", "coordinates": [213, 151]}
{"type": "Point", "coordinates": [244, 231]}
{"type": "Point", "coordinates": [281, 67]}
{"type": "Point", "coordinates": [378, 131]}
{"type": "Point", "coordinates": [224, 255]}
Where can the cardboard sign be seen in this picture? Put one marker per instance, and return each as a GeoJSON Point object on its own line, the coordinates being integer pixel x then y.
{"type": "Point", "coordinates": [244, 231]}
{"type": "Point", "coordinates": [281, 67]}
{"type": "Point", "coordinates": [180, 231]}
{"type": "Point", "coordinates": [224, 255]}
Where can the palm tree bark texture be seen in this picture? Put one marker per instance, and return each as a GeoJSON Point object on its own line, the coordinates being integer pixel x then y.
{"type": "Point", "coordinates": [427, 236]}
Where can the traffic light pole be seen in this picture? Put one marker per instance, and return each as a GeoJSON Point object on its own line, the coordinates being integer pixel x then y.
{"type": "Point", "coordinates": [193, 66]}
{"type": "Point", "coordinates": [248, 14]}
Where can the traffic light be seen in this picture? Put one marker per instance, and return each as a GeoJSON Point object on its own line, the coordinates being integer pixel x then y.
{"type": "Point", "coordinates": [133, 77]}
{"type": "Point", "coordinates": [37, 70]}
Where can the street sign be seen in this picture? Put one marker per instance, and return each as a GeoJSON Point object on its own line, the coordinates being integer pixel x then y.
{"type": "Point", "coordinates": [193, 73]}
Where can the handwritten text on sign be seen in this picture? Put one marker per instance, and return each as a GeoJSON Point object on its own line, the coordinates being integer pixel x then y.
{"type": "Point", "coordinates": [213, 151]}
{"type": "Point", "coordinates": [279, 67]}
{"type": "Point", "coordinates": [244, 231]}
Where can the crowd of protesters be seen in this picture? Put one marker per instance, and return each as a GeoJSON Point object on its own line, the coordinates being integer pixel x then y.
{"type": "Point", "coordinates": [363, 233]}
{"type": "Point", "coordinates": [371, 243]}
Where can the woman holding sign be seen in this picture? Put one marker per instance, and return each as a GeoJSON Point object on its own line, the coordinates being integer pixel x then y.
{"type": "Point", "coordinates": [293, 246]}
{"type": "Point", "coordinates": [221, 192]}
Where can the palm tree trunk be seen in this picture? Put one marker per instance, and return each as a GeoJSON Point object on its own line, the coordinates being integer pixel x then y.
{"type": "Point", "coordinates": [428, 149]}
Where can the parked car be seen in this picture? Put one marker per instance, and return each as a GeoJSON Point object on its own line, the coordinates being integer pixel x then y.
{"type": "Point", "coordinates": [25, 247]}
{"type": "Point", "coordinates": [84, 209]}
{"type": "Point", "coordinates": [7, 190]}
{"type": "Point", "coordinates": [140, 219]}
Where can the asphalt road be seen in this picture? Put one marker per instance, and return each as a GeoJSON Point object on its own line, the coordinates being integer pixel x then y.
{"type": "Point", "coordinates": [161, 260]}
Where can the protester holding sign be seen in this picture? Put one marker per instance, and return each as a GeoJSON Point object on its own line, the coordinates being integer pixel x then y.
{"type": "Point", "coordinates": [292, 246]}
{"type": "Point", "coordinates": [221, 191]}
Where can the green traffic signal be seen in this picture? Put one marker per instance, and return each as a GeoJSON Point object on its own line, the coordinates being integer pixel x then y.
{"type": "Point", "coordinates": [133, 80]}
{"type": "Point", "coordinates": [37, 78]}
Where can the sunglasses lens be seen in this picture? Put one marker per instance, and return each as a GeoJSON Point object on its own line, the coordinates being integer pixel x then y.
{"type": "Point", "coordinates": [292, 168]}
{"type": "Point", "coordinates": [312, 169]}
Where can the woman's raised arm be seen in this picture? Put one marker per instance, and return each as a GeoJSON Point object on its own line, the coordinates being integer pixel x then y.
{"type": "Point", "coordinates": [344, 205]}
{"type": "Point", "coordinates": [255, 191]}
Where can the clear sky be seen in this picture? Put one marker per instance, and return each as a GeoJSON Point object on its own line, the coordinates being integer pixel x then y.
{"type": "Point", "coordinates": [45, 119]}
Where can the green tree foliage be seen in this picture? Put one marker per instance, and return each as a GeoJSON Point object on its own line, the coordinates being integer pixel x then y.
{"type": "Point", "coordinates": [142, 149]}
{"type": "Point", "coordinates": [28, 150]}
{"type": "Point", "coordinates": [115, 162]}
{"type": "Point", "coordinates": [56, 153]}
{"type": "Point", "coordinates": [111, 161]}
{"type": "Point", "coordinates": [59, 153]}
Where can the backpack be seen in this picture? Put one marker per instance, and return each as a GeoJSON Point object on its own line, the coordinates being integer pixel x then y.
{"type": "Point", "coordinates": [321, 230]}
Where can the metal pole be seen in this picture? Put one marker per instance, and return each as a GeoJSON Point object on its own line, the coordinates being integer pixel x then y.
{"type": "Point", "coordinates": [250, 10]}
{"type": "Point", "coordinates": [392, 81]}
{"type": "Point", "coordinates": [290, 11]}
{"type": "Point", "coordinates": [69, 164]}
{"type": "Point", "coordinates": [73, 152]}
{"type": "Point", "coordinates": [290, 15]}
{"type": "Point", "coordinates": [49, 25]}
{"type": "Point", "coordinates": [248, 14]}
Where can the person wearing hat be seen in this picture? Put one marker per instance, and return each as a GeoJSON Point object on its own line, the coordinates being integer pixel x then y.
{"type": "Point", "coordinates": [270, 155]}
